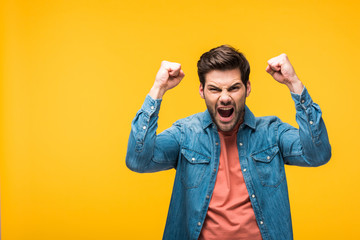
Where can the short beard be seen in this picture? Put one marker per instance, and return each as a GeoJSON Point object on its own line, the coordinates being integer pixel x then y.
{"type": "Point", "coordinates": [238, 118]}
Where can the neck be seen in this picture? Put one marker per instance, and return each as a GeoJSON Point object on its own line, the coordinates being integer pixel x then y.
{"type": "Point", "coordinates": [233, 131]}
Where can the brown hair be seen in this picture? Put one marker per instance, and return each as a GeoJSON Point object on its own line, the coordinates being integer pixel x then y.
{"type": "Point", "coordinates": [224, 57]}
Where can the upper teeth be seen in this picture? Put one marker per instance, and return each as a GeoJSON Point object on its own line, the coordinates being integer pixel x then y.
{"type": "Point", "coordinates": [225, 108]}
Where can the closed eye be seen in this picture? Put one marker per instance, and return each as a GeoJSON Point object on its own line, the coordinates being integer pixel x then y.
{"type": "Point", "coordinates": [234, 88]}
{"type": "Point", "coordinates": [212, 89]}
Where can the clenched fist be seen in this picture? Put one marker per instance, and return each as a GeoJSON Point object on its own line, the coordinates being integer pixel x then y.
{"type": "Point", "coordinates": [168, 77]}
{"type": "Point", "coordinates": [282, 71]}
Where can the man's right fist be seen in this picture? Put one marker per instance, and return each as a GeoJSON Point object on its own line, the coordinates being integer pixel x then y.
{"type": "Point", "coordinates": [168, 77]}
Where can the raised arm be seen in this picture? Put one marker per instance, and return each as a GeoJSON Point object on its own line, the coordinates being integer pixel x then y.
{"type": "Point", "coordinates": [148, 152]}
{"type": "Point", "coordinates": [309, 145]}
{"type": "Point", "coordinates": [169, 76]}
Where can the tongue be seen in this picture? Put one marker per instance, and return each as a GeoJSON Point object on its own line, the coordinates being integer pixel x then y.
{"type": "Point", "coordinates": [225, 113]}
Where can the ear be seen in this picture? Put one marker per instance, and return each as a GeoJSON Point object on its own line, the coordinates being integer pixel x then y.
{"type": "Point", "coordinates": [201, 91]}
{"type": "Point", "coordinates": [248, 88]}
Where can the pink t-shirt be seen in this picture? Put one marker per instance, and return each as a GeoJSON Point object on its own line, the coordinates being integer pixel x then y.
{"type": "Point", "coordinates": [230, 214]}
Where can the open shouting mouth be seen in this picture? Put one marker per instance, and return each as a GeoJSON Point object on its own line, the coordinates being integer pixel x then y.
{"type": "Point", "coordinates": [225, 113]}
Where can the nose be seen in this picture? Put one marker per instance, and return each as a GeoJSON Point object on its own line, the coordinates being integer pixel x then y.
{"type": "Point", "coordinates": [225, 99]}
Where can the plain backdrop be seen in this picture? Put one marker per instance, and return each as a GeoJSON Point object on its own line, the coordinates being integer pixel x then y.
{"type": "Point", "coordinates": [74, 73]}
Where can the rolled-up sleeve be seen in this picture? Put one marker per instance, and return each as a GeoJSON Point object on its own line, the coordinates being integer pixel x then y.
{"type": "Point", "coordinates": [309, 145]}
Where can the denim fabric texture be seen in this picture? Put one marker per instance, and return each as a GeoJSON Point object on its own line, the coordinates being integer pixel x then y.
{"type": "Point", "coordinates": [192, 146]}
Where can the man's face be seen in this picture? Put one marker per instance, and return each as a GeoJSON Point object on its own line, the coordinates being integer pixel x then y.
{"type": "Point", "coordinates": [225, 95]}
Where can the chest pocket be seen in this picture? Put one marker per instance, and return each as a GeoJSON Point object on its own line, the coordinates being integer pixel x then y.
{"type": "Point", "coordinates": [193, 167]}
{"type": "Point", "coordinates": [269, 166]}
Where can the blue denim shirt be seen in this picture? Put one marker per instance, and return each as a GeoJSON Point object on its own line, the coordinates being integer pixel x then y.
{"type": "Point", "coordinates": [192, 146]}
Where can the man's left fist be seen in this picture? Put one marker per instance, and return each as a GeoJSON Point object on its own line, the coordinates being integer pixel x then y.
{"type": "Point", "coordinates": [282, 71]}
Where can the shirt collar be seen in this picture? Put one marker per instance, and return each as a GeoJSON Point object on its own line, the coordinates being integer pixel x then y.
{"type": "Point", "coordinates": [249, 119]}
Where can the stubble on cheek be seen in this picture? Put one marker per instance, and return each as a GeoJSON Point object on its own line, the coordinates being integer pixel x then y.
{"type": "Point", "coordinates": [212, 112]}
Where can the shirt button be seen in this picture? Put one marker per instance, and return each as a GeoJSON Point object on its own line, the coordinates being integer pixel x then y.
{"type": "Point", "coordinates": [302, 101]}
{"type": "Point", "coordinates": [216, 143]}
{"type": "Point", "coordinates": [193, 159]}
{"type": "Point", "coordinates": [214, 170]}
{"type": "Point", "coordinates": [261, 222]}
{"type": "Point", "coordinates": [253, 196]}
{"type": "Point", "coordinates": [207, 196]}
{"type": "Point", "coordinates": [268, 157]}
{"type": "Point", "coordinates": [311, 122]}
{"type": "Point", "coordinates": [152, 107]}
{"type": "Point", "coordinates": [240, 144]}
{"type": "Point", "coordinates": [244, 170]}
{"type": "Point", "coordinates": [144, 127]}
{"type": "Point", "coordinates": [199, 223]}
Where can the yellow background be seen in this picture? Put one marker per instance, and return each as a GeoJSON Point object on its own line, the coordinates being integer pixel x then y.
{"type": "Point", "coordinates": [74, 73]}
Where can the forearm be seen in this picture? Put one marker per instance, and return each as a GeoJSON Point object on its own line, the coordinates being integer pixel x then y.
{"type": "Point", "coordinates": [142, 136]}
{"type": "Point", "coordinates": [147, 151]}
{"type": "Point", "coordinates": [309, 145]}
{"type": "Point", "coordinates": [156, 92]}
{"type": "Point", "coordinates": [295, 86]}
{"type": "Point", "coordinates": [312, 130]}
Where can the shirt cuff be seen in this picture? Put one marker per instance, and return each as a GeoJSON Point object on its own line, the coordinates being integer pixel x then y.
{"type": "Point", "coordinates": [303, 100]}
{"type": "Point", "coordinates": [151, 106]}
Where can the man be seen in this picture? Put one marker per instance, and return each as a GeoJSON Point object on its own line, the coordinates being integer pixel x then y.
{"type": "Point", "coordinates": [230, 179]}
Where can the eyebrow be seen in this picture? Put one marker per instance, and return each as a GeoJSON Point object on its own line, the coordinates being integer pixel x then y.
{"type": "Point", "coordinates": [212, 86]}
